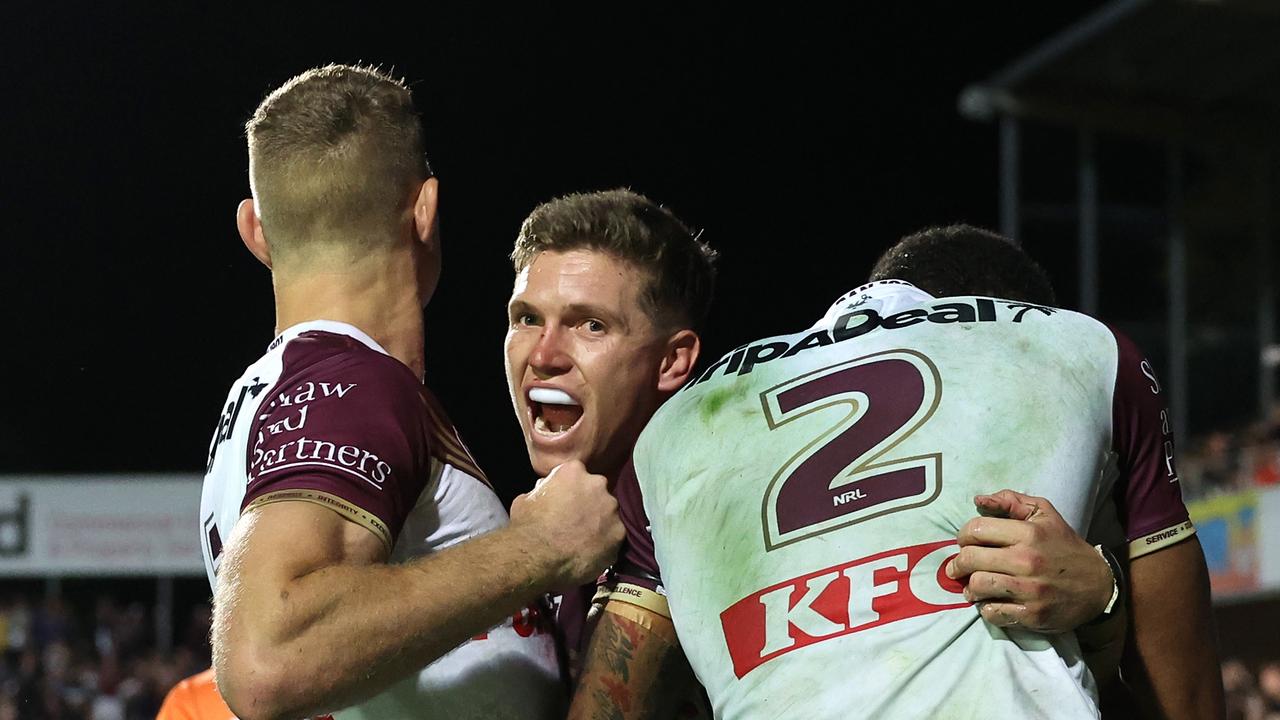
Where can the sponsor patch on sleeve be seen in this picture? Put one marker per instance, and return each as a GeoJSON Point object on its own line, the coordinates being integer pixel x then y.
{"type": "Point", "coordinates": [1161, 539]}
{"type": "Point", "coordinates": [356, 515]}
{"type": "Point", "coordinates": [641, 597]}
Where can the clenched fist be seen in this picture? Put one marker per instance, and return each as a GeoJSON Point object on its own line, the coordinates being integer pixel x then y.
{"type": "Point", "coordinates": [570, 523]}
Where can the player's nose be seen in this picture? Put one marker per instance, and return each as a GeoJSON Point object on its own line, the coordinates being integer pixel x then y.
{"type": "Point", "coordinates": [550, 354]}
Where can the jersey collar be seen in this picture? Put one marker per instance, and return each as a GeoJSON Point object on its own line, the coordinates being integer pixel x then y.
{"type": "Point", "coordinates": [886, 297]}
{"type": "Point", "coordinates": [329, 326]}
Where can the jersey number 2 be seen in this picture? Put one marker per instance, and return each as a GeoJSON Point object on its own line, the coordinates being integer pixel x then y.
{"type": "Point", "coordinates": [840, 477]}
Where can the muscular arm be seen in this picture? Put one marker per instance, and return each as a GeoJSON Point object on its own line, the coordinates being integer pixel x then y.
{"type": "Point", "coordinates": [308, 619]}
{"type": "Point", "coordinates": [634, 668]}
{"type": "Point", "coordinates": [1171, 661]}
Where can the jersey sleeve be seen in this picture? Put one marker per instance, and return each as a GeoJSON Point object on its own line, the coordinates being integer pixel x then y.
{"type": "Point", "coordinates": [636, 578]}
{"type": "Point", "coordinates": [1148, 493]}
{"type": "Point", "coordinates": [347, 433]}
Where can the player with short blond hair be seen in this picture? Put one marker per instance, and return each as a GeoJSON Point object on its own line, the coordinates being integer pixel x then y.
{"type": "Point", "coordinates": [360, 560]}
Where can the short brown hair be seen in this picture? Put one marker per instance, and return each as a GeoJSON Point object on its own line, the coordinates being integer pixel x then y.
{"type": "Point", "coordinates": [333, 156]}
{"type": "Point", "coordinates": [631, 227]}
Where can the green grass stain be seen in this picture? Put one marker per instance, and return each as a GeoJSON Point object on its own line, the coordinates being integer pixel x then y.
{"type": "Point", "coordinates": [716, 399]}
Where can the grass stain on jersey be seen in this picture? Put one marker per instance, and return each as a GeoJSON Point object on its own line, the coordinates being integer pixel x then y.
{"type": "Point", "coordinates": [716, 399]}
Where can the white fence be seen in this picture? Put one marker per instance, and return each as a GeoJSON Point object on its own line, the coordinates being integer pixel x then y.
{"type": "Point", "coordinates": [100, 525]}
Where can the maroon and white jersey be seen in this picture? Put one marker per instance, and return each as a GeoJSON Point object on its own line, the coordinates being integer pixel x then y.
{"type": "Point", "coordinates": [326, 416]}
{"type": "Point", "coordinates": [796, 505]}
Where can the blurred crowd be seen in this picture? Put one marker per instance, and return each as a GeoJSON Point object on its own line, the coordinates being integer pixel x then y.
{"type": "Point", "coordinates": [1227, 462]}
{"type": "Point", "coordinates": [99, 662]}
{"type": "Point", "coordinates": [96, 661]}
{"type": "Point", "coordinates": [1251, 697]}
{"type": "Point", "coordinates": [93, 656]}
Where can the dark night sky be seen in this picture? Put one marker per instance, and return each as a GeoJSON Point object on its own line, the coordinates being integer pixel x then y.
{"type": "Point", "coordinates": [803, 142]}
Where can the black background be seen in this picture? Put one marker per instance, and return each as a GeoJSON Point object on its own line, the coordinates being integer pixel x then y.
{"type": "Point", "coordinates": [804, 141]}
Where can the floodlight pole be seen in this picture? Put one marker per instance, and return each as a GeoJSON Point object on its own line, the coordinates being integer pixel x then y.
{"type": "Point", "coordinates": [1177, 295]}
{"type": "Point", "coordinates": [1009, 168]}
{"type": "Point", "coordinates": [1267, 365]}
{"type": "Point", "coordinates": [1088, 231]}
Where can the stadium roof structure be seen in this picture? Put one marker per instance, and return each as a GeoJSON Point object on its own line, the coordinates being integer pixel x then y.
{"type": "Point", "coordinates": [1198, 76]}
{"type": "Point", "coordinates": [1187, 70]}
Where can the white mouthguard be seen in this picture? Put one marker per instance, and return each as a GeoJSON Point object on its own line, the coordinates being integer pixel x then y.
{"type": "Point", "coordinates": [550, 396]}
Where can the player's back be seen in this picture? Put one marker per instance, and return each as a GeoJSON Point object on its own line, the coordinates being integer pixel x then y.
{"type": "Point", "coordinates": [326, 416]}
{"type": "Point", "coordinates": [805, 494]}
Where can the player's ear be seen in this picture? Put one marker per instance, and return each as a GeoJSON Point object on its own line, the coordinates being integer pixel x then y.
{"type": "Point", "coordinates": [424, 212]}
{"type": "Point", "coordinates": [250, 227]}
{"type": "Point", "coordinates": [682, 354]}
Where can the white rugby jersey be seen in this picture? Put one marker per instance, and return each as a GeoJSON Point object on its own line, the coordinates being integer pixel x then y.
{"type": "Point", "coordinates": [797, 503]}
{"type": "Point", "coordinates": [328, 417]}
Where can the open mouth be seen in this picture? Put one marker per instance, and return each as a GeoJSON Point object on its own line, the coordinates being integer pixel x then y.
{"type": "Point", "coordinates": [555, 412]}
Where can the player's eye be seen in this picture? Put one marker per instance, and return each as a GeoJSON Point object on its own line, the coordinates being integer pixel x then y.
{"type": "Point", "coordinates": [593, 326]}
{"type": "Point", "coordinates": [526, 319]}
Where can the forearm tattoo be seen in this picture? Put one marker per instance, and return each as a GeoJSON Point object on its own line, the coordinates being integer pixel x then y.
{"type": "Point", "coordinates": [623, 651]}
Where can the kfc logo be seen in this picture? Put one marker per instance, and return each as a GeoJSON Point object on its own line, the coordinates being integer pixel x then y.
{"type": "Point", "coordinates": [840, 600]}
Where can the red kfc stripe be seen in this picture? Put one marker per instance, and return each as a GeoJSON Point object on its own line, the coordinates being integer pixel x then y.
{"type": "Point", "coordinates": [839, 600]}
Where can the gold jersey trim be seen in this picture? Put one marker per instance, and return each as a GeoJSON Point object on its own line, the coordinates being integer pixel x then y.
{"type": "Point", "coordinates": [1162, 539]}
{"type": "Point", "coordinates": [351, 512]}
{"type": "Point", "coordinates": [641, 597]}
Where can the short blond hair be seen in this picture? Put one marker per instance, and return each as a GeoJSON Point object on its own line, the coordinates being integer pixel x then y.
{"type": "Point", "coordinates": [333, 156]}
